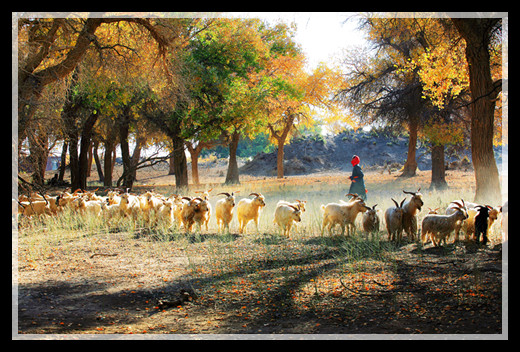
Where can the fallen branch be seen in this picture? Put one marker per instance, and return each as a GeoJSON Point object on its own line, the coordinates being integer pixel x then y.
{"type": "Point", "coordinates": [104, 255]}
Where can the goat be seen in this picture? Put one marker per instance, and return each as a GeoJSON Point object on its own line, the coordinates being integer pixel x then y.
{"type": "Point", "coordinates": [31, 208]}
{"type": "Point", "coordinates": [110, 210]}
{"type": "Point", "coordinates": [481, 223]}
{"type": "Point", "coordinates": [130, 205]}
{"type": "Point", "coordinates": [410, 209]}
{"type": "Point", "coordinates": [83, 205]}
{"type": "Point", "coordinates": [285, 215]}
{"type": "Point", "coordinates": [439, 227]}
{"type": "Point", "coordinates": [249, 209]}
{"type": "Point", "coordinates": [195, 211]}
{"type": "Point", "coordinates": [300, 204]}
{"type": "Point", "coordinates": [433, 211]}
{"type": "Point", "coordinates": [113, 197]}
{"type": "Point", "coordinates": [178, 206]}
{"type": "Point", "coordinates": [224, 210]}
{"type": "Point", "coordinates": [207, 215]}
{"type": "Point", "coordinates": [469, 224]}
{"type": "Point", "coordinates": [165, 212]}
{"type": "Point", "coordinates": [370, 220]}
{"type": "Point", "coordinates": [150, 205]}
{"type": "Point", "coordinates": [343, 214]}
{"type": "Point", "coordinates": [394, 221]}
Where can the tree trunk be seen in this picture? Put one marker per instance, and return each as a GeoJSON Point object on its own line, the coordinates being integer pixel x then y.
{"type": "Point", "coordinates": [438, 168]}
{"type": "Point", "coordinates": [232, 171]}
{"type": "Point", "coordinates": [279, 160]}
{"type": "Point", "coordinates": [74, 161]}
{"type": "Point", "coordinates": [477, 33]}
{"type": "Point", "coordinates": [124, 126]}
{"type": "Point", "coordinates": [410, 166]}
{"type": "Point", "coordinates": [90, 158]}
{"type": "Point", "coordinates": [194, 154]}
{"type": "Point", "coordinates": [288, 123]}
{"type": "Point", "coordinates": [171, 170]}
{"type": "Point", "coordinates": [39, 153]}
{"type": "Point", "coordinates": [110, 145]}
{"type": "Point", "coordinates": [63, 161]}
{"type": "Point", "coordinates": [86, 143]}
{"type": "Point", "coordinates": [99, 167]}
{"type": "Point", "coordinates": [180, 164]}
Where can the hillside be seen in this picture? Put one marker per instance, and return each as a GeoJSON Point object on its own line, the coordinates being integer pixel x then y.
{"type": "Point", "coordinates": [333, 153]}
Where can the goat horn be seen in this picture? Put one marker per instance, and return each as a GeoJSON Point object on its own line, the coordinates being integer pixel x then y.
{"type": "Point", "coordinates": [457, 204]}
{"type": "Point", "coordinates": [224, 193]}
{"type": "Point", "coordinates": [402, 203]}
{"type": "Point", "coordinates": [396, 204]}
{"type": "Point", "coordinates": [254, 194]}
{"type": "Point", "coordinates": [407, 192]}
{"type": "Point", "coordinates": [292, 206]}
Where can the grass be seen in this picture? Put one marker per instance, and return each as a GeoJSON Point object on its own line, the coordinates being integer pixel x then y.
{"type": "Point", "coordinates": [306, 276]}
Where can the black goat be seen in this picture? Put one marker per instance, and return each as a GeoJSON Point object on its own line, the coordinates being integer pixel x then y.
{"type": "Point", "coordinates": [481, 223]}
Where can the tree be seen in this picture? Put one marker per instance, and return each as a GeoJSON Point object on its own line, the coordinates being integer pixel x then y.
{"type": "Point", "coordinates": [51, 49]}
{"type": "Point", "coordinates": [480, 34]}
{"type": "Point", "coordinates": [226, 91]}
{"type": "Point", "coordinates": [42, 59]}
{"type": "Point", "coordinates": [294, 95]}
{"type": "Point", "coordinates": [379, 85]}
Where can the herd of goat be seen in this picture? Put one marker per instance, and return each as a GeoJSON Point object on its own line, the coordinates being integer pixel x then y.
{"type": "Point", "coordinates": [183, 211]}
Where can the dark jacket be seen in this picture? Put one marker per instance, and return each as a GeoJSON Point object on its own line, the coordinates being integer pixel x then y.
{"type": "Point", "coordinates": [358, 184]}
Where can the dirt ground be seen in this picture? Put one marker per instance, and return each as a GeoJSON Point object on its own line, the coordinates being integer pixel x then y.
{"type": "Point", "coordinates": [138, 282]}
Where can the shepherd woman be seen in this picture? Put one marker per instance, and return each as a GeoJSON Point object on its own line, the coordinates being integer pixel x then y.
{"type": "Point", "coordinates": [358, 185]}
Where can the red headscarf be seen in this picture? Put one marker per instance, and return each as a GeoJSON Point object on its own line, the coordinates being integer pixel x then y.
{"type": "Point", "coordinates": [355, 160]}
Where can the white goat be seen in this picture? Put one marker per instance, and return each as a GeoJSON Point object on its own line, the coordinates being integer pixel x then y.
{"type": "Point", "coordinates": [113, 197]}
{"type": "Point", "coordinates": [285, 215]}
{"type": "Point", "coordinates": [150, 204]}
{"type": "Point", "coordinates": [370, 220]}
{"type": "Point", "coordinates": [85, 206]}
{"type": "Point", "coordinates": [249, 209]}
{"type": "Point", "coordinates": [130, 205]}
{"type": "Point", "coordinates": [411, 208]}
{"type": "Point", "coordinates": [343, 214]}
{"type": "Point", "coordinates": [394, 221]}
{"type": "Point", "coordinates": [224, 210]}
{"type": "Point", "coordinates": [438, 227]}
{"type": "Point", "coordinates": [207, 215]}
{"type": "Point", "coordinates": [178, 205]}
{"type": "Point", "coordinates": [165, 213]}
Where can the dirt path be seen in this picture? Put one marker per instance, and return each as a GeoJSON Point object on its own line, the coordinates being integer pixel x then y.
{"type": "Point", "coordinates": [117, 283]}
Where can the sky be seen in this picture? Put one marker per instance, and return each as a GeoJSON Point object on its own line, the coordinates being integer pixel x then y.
{"type": "Point", "coordinates": [322, 35]}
